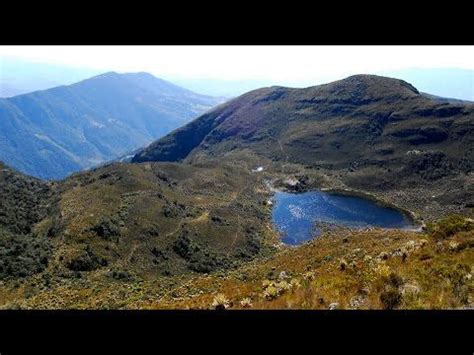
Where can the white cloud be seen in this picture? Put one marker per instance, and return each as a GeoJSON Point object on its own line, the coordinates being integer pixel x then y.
{"type": "Point", "coordinates": [286, 64]}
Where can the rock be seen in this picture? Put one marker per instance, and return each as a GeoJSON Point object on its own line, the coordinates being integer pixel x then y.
{"type": "Point", "coordinates": [333, 306]}
{"type": "Point", "coordinates": [282, 275]}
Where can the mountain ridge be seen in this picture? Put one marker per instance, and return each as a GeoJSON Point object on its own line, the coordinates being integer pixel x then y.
{"type": "Point", "coordinates": [51, 133]}
{"type": "Point", "coordinates": [353, 91]}
{"type": "Point", "coordinates": [370, 133]}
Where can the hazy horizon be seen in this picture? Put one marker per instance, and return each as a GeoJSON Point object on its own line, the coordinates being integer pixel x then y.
{"type": "Point", "coordinates": [232, 70]}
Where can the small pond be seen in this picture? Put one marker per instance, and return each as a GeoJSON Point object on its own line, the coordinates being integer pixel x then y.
{"type": "Point", "coordinates": [295, 214]}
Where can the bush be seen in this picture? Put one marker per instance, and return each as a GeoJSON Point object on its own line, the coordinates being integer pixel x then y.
{"type": "Point", "coordinates": [22, 255]}
{"type": "Point", "coordinates": [394, 280]}
{"type": "Point", "coordinates": [449, 226]}
{"type": "Point", "coordinates": [199, 257]}
{"type": "Point", "coordinates": [86, 260]}
{"type": "Point", "coordinates": [121, 275]}
{"type": "Point", "coordinates": [390, 299]}
{"type": "Point", "coordinates": [107, 229]}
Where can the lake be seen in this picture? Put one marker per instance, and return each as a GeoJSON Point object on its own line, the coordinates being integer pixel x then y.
{"type": "Point", "coordinates": [294, 214]}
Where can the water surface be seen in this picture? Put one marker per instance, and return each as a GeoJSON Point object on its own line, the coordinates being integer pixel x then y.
{"type": "Point", "coordinates": [295, 214]}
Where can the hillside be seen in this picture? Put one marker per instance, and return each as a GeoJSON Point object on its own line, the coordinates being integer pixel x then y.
{"type": "Point", "coordinates": [161, 235]}
{"type": "Point", "coordinates": [188, 224]}
{"type": "Point", "coordinates": [152, 219]}
{"type": "Point", "coordinates": [52, 133]}
{"type": "Point", "coordinates": [365, 132]}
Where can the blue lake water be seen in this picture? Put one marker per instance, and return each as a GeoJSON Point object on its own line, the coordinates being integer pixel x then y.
{"type": "Point", "coordinates": [295, 214]}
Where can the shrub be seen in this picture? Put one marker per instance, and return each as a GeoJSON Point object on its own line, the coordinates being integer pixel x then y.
{"type": "Point", "coordinates": [22, 255]}
{"type": "Point", "coordinates": [86, 260]}
{"type": "Point", "coordinates": [394, 280]}
{"type": "Point", "coordinates": [390, 299]}
{"type": "Point", "coordinates": [272, 292]}
{"type": "Point", "coordinates": [199, 257]}
{"type": "Point", "coordinates": [449, 226]}
{"type": "Point", "coordinates": [220, 302]}
{"type": "Point", "coordinates": [246, 302]}
{"type": "Point", "coordinates": [120, 275]}
{"type": "Point", "coordinates": [107, 229]}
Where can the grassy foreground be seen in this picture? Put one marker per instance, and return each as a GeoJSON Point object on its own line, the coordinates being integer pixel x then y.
{"type": "Point", "coordinates": [343, 269]}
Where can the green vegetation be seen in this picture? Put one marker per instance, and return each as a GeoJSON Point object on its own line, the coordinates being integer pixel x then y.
{"type": "Point", "coordinates": [449, 226]}
{"type": "Point", "coordinates": [365, 132]}
{"type": "Point", "coordinates": [22, 255]}
{"type": "Point", "coordinates": [198, 233]}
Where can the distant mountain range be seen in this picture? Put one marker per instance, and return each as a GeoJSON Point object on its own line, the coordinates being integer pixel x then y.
{"type": "Point", "coordinates": [52, 133]}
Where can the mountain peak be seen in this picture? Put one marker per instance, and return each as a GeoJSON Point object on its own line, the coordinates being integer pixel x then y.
{"type": "Point", "coordinates": [373, 83]}
{"type": "Point", "coordinates": [108, 74]}
{"type": "Point", "coordinates": [364, 109]}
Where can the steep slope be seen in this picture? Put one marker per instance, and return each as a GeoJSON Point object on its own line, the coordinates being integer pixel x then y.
{"type": "Point", "coordinates": [51, 133]}
{"type": "Point", "coordinates": [370, 132]}
{"type": "Point", "coordinates": [151, 219]}
{"type": "Point", "coordinates": [338, 124]}
{"type": "Point", "coordinates": [24, 202]}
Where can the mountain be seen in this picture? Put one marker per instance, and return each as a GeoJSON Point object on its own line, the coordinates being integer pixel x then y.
{"type": "Point", "coordinates": [52, 133]}
{"type": "Point", "coordinates": [362, 120]}
{"type": "Point", "coordinates": [197, 236]}
{"type": "Point", "coordinates": [197, 232]}
{"type": "Point", "coordinates": [451, 83]}
{"type": "Point", "coordinates": [373, 133]}
{"type": "Point", "coordinates": [159, 219]}
{"type": "Point", "coordinates": [25, 202]}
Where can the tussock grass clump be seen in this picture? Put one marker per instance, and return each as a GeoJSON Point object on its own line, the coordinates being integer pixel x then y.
{"type": "Point", "coordinates": [220, 302]}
